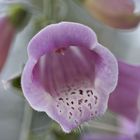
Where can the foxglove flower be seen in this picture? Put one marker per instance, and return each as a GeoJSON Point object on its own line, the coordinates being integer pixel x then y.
{"type": "Point", "coordinates": [69, 75]}
{"type": "Point", "coordinates": [6, 36]}
{"type": "Point", "coordinates": [115, 13]}
{"type": "Point", "coordinates": [125, 98]}
{"type": "Point", "coordinates": [9, 24]}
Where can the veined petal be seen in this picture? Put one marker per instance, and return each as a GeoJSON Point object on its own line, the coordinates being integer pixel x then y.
{"type": "Point", "coordinates": [65, 72]}
{"type": "Point", "coordinates": [115, 13]}
{"type": "Point", "coordinates": [61, 35]}
{"type": "Point", "coordinates": [124, 99]}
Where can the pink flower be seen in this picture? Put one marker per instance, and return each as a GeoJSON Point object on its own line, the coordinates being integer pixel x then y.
{"type": "Point", "coordinates": [7, 33]}
{"type": "Point", "coordinates": [125, 98]}
{"type": "Point", "coordinates": [9, 24]}
{"type": "Point", "coordinates": [115, 13]}
{"type": "Point", "coordinates": [69, 75]}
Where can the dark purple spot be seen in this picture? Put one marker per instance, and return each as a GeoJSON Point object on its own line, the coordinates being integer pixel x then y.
{"type": "Point", "coordinates": [61, 99]}
{"type": "Point", "coordinates": [72, 108]}
{"type": "Point", "coordinates": [90, 91]}
{"type": "Point", "coordinates": [80, 109]}
{"type": "Point", "coordinates": [86, 101]}
{"type": "Point", "coordinates": [95, 111]}
{"type": "Point", "coordinates": [95, 97]}
{"type": "Point", "coordinates": [68, 104]}
{"type": "Point", "coordinates": [80, 101]}
{"type": "Point", "coordinates": [95, 101]}
{"type": "Point", "coordinates": [72, 102]}
{"type": "Point", "coordinates": [73, 93]}
{"type": "Point", "coordinates": [70, 113]}
{"type": "Point", "coordinates": [81, 92]}
{"type": "Point", "coordinates": [90, 105]}
{"type": "Point", "coordinates": [57, 105]}
{"type": "Point", "coordinates": [67, 98]}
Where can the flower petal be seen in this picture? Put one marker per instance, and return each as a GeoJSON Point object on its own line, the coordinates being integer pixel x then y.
{"type": "Point", "coordinates": [63, 34]}
{"type": "Point", "coordinates": [65, 72]}
{"type": "Point", "coordinates": [115, 13]}
{"type": "Point", "coordinates": [8, 27]}
{"type": "Point", "coordinates": [6, 36]}
{"type": "Point", "coordinates": [124, 100]}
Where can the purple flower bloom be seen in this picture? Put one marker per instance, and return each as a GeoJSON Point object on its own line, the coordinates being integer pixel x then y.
{"type": "Point", "coordinates": [115, 13]}
{"type": "Point", "coordinates": [8, 27]}
{"type": "Point", "coordinates": [125, 98]}
{"type": "Point", "coordinates": [6, 36]}
{"type": "Point", "coordinates": [69, 75]}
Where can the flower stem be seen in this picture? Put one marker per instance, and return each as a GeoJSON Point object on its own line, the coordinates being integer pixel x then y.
{"type": "Point", "coordinates": [106, 127]}
{"type": "Point", "coordinates": [48, 9]}
{"type": "Point", "coordinates": [25, 127]}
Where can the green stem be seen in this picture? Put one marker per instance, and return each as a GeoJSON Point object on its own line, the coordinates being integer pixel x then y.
{"type": "Point", "coordinates": [47, 9]}
{"type": "Point", "coordinates": [106, 127]}
{"type": "Point", "coordinates": [27, 119]}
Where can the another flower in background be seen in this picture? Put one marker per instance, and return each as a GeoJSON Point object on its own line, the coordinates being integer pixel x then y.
{"type": "Point", "coordinates": [125, 98]}
{"type": "Point", "coordinates": [115, 13]}
{"type": "Point", "coordinates": [69, 75]}
{"type": "Point", "coordinates": [6, 37]}
{"type": "Point", "coordinates": [9, 24]}
{"type": "Point", "coordinates": [124, 101]}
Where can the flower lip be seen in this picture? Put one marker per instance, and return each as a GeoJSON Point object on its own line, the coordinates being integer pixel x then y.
{"type": "Point", "coordinates": [74, 87]}
{"type": "Point", "coordinates": [61, 35]}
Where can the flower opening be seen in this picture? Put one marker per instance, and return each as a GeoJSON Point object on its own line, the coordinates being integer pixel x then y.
{"type": "Point", "coordinates": [69, 75]}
